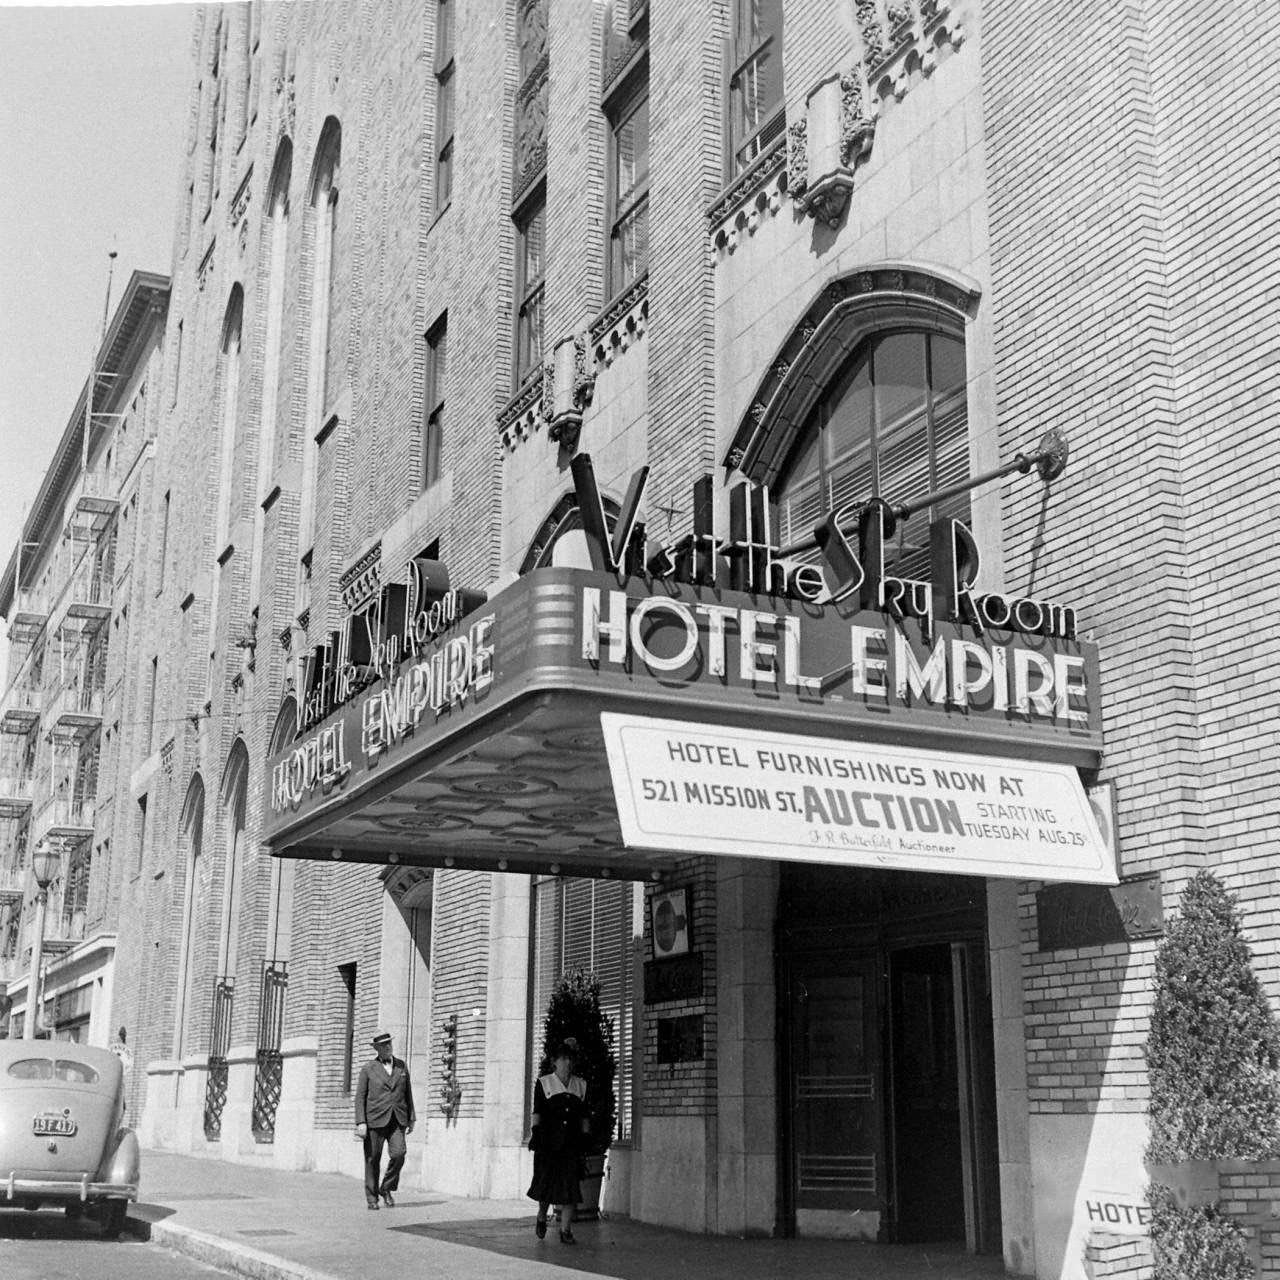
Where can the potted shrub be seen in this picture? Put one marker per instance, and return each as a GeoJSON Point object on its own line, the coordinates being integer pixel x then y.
{"type": "Point", "coordinates": [574, 1012]}
{"type": "Point", "coordinates": [1212, 1056]}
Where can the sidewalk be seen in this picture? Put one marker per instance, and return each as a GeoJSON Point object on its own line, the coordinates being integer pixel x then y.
{"type": "Point", "coordinates": [314, 1226]}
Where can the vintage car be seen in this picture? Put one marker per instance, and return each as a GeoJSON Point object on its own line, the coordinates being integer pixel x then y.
{"type": "Point", "coordinates": [62, 1137]}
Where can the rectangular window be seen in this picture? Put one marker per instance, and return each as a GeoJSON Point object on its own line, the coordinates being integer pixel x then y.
{"type": "Point", "coordinates": [177, 365]}
{"type": "Point", "coordinates": [152, 678]}
{"type": "Point", "coordinates": [347, 972]}
{"type": "Point", "coordinates": [444, 104]}
{"type": "Point", "coordinates": [433, 421]}
{"type": "Point", "coordinates": [75, 893]}
{"type": "Point", "coordinates": [531, 224]}
{"type": "Point", "coordinates": [334, 278]}
{"type": "Point", "coordinates": [755, 80]}
{"type": "Point", "coordinates": [629, 194]}
{"type": "Point", "coordinates": [590, 924]}
{"type": "Point", "coordinates": [142, 833]}
{"type": "Point", "coordinates": [164, 539]}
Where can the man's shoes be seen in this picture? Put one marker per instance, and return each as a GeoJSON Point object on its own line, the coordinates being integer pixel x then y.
{"type": "Point", "coordinates": [373, 1204]}
{"type": "Point", "coordinates": [387, 1200]}
{"type": "Point", "coordinates": [540, 1228]}
{"type": "Point", "coordinates": [567, 1237]}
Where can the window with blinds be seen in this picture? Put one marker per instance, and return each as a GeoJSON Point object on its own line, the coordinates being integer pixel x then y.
{"type": "Point", "coordinates": [894, 426]}
{"type": "Point", "coordinates": [591, 924]}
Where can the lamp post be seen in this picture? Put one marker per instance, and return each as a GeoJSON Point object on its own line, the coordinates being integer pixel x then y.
{"type": "Point", "coordinates": [45, 861]}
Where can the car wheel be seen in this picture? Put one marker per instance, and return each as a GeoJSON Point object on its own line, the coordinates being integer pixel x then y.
{"type": "Point", "coordinates": [113, 1215]}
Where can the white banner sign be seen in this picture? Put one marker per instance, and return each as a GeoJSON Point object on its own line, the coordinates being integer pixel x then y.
{"type": "Point", "coordinates": [695, 788]}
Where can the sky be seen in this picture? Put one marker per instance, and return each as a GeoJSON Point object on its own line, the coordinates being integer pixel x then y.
{"type": "Point", "coordinates": [93, 103]}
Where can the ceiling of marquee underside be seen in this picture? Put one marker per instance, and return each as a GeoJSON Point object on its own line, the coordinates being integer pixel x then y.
{"type": "Point", "coordinates": [533, 794]}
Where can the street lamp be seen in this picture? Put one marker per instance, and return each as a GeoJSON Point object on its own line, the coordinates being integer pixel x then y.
{"type": "Point", "coordinates": [46, 858]}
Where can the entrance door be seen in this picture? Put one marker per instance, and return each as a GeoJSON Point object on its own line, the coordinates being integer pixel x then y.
{"type": "Point", "coordinates": [889, 1106]}
{"type": "Point", "coordinates": [836, 1113]}
{"type": "Point", "coordinates": [927, 1150]}
{"type": "Point", "coordinates": [945, 1183]}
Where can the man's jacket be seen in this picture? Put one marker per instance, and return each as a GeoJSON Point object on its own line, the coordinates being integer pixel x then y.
{"type": "Point", "coordinates": [381, 1094]}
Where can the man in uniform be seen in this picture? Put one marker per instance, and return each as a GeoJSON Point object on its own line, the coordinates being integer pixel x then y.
{"type": "Point", "coordinates": [384, 1116]}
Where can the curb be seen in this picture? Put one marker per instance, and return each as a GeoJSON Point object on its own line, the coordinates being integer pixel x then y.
{"type": "Point", "coordinates": [216, 1251]}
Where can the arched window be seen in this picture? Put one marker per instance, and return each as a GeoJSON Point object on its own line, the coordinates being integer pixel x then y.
{"type": "Point", "coordinates": [234, 796]}
{"type": "Point", "coordinates": [893, 424]}
{"type": "Point", "coordinates": [191, 827]}
{"type": "Point", "coordinates": [229, 392]}
{"type": "Point", "coordinates": [325, 364]}
{"type": "Point", "coordinates": [275, 245]}
{"type": "Point", "coordinates": [228, 396]}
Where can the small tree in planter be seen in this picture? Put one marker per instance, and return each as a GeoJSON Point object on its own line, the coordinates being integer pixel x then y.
{"type": "Point", "coordinates": [574, 1013]}
{"type": "Point", "coordinates": [1212, 1054]}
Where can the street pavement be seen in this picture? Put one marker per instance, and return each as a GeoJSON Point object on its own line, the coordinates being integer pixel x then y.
{"type": "Point", "coordinates": [46, 1246]}
{"type": "Point", "coordinates": [273, 1225]}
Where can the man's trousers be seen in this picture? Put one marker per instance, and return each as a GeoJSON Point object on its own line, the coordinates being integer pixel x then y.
{"type": "Point", "coordinates": [390, 1135]}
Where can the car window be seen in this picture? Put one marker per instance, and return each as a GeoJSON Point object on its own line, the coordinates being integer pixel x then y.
{"type": "Point", "coordinates": [75, 1072]}
{"type": "Point", "coordinates": [32, 1069]}
{"type": "Point", "coordinates": [50, 1069]}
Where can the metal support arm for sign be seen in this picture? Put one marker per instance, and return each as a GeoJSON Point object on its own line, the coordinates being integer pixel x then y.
{"type": "Point", "coordinates": [1050, 460]}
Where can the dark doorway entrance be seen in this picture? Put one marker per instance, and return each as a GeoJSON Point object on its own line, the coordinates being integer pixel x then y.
{"type": "Point", "coordinates": [924, 1063]}
{"type": "Point", "coordinates": [888, 1120]}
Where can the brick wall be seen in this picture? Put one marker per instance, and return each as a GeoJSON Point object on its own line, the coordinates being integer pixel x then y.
{"type": "Point", "coordinates": [459, 980]}
{"type": "Point", "coordinates": [1107, 1256]}
{"type": "Point", "coordinates": [685, 1088]}
{"type": "Point", "coordinates": [686, 170]}
{"type": "Point", "coordinates": [1222, 274]}
{"type": "Point", "coordinates": [1082, 342]}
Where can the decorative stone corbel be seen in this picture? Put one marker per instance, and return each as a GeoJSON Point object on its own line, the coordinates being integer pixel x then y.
{"type": "Point", "coordinates": [828, 166]}
{"type": "Point", "coordinates": [571, 384]}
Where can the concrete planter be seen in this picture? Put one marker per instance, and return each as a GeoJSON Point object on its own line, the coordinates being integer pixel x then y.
{"type": "Point", "coordinates": [589, 1207]}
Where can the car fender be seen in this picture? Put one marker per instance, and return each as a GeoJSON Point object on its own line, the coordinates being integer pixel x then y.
{"type": "Point", "coordinates": [125, 1164]}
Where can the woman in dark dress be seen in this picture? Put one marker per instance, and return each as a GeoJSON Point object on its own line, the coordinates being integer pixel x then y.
{"type": "Point", "coordinates": [558, 1140]}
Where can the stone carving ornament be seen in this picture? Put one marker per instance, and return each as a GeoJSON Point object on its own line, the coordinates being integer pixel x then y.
{"type": "Point", "coordinates": [856, 127]}
{"type": "Point", "coordinates": [532, 35]}
{"type": "Point", "coordinates": [877, 49]}
{"type": "Point", "coordinates": [900, 21]}
{"type": "Point", "coordinates": [531, 129]}
{"type": "Point", "coordinates": [797, 157]}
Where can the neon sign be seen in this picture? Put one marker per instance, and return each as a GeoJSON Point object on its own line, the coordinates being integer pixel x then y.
{"type": "Point", "coordinates": [750, 559]}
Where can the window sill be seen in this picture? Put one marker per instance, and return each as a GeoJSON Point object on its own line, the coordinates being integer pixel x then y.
{"type": "Point", "coordinates": [438, 216]}
{"type": "Point", "coordinates": [519, 415]}
{"type": "Point", "coordinates": [622, 322]}
{"type": "Point", "coordinates": [738, 192]}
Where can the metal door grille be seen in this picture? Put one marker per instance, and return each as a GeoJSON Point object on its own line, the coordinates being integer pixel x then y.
{"type": "Point", "coordinates": [813, 1087]}
{"type": "Point", "coordinates": [837, 1173]}
{"type": "Point", "coordinates": [268, 1070]}
{"type": "Point", "coordinates": [215, 1094]}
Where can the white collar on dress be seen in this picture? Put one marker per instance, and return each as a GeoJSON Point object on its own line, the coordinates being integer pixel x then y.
{"type": "Point", "coordinates": [551, 1085]}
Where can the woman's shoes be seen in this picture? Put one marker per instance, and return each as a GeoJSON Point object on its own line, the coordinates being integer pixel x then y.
{"type": "Point", "coordinates": [566, 1237]}
{"type": "Point", "coordinates": [540, 1228]}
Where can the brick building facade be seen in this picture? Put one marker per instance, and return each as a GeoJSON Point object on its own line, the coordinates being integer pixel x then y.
{"type": "Point", "coordinates": [431, 253]}
{"type": "Point", "coordinates": [75, 595]}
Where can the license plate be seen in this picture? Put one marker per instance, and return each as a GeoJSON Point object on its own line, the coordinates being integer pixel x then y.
{"type": "Point", "coordinates": [53, 1126]}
